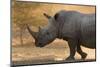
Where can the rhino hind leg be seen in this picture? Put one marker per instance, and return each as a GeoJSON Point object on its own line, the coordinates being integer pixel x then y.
{"type": "Point", "coordinates": [83, 54]}
{"type": "Point", "coordinates": [72, 45]}
{"type": "Point", "coordinates": [70, 58]}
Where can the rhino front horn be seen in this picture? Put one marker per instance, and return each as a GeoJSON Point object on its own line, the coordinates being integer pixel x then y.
{"type": "Point", "coordinates": [47, 16]}
{"type": "Point", "coordinates": [34, 34]}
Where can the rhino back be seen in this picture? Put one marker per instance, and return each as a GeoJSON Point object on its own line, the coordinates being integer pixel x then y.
{"type": "Point", "coordinates": [69, 23]}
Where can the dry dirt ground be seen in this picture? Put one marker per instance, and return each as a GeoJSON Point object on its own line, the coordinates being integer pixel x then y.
{"type": "Point", "coordinates": [56, 51]}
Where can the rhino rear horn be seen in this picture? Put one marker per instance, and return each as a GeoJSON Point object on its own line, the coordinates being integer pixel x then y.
{"type": "Point", "coordinates": [47, 16]}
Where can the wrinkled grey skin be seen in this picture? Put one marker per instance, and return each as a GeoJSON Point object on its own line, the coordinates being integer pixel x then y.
{"type": "Point", "coordinates": [76, 28]}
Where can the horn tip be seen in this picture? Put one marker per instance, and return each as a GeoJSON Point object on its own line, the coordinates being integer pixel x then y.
{"type": "Point", "coordinates": [44, 14]}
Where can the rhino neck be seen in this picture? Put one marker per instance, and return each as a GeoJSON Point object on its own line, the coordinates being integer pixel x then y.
{"type": "Point", "coordinates": [59, 30]}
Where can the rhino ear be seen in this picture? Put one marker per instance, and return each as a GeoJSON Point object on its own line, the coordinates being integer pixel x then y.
{"type": "Point", "coordinates": [56, 16]}
{"type": "Point", "coordinates": [47, 16]}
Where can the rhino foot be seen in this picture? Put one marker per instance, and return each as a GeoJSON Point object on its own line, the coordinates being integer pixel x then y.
{"type": "Point", "coordinates": [70, 58]}
{"type": "Point", "coordinates": [84, 55]}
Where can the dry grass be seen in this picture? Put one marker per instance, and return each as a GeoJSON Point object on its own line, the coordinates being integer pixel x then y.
{"type": "Point", "coordinates": [58, 50]}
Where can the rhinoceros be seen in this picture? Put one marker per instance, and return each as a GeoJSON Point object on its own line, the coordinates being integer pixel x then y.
{"type": "Point", "coordinates": [75, 27]}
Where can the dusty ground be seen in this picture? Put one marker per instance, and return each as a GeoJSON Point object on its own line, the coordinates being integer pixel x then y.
{"type": "Point", "coordinates": [57, 51]}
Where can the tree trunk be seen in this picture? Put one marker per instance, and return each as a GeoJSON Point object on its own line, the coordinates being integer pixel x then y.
{"type": "Point", "coordinates": [21, 36]}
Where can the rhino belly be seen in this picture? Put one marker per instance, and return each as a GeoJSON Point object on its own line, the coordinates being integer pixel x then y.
{"type": "Point", "coordinates": [88, 36]}
{"type": "Point", "coordinates": [89, 43]}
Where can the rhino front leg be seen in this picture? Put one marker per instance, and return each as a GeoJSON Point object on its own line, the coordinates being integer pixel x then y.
{"type": "Point", "coordinates": [72, 46]}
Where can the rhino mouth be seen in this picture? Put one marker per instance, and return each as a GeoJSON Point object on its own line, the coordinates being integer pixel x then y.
{"type": "Point", "coordinates": [40, 45]}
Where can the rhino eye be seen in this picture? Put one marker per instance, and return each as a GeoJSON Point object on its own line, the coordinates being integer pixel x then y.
{"type": "Point", "coordinates": [47, 33]}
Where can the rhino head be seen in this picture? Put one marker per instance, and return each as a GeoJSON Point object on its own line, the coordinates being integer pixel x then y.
{"type": "Point", "coordinates": [43, 36]}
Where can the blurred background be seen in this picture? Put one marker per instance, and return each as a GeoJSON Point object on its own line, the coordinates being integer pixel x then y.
{"type": "Point", "coordinates": [31, 13]}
